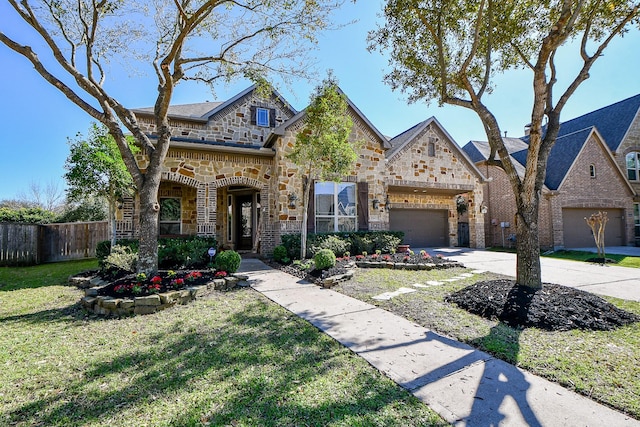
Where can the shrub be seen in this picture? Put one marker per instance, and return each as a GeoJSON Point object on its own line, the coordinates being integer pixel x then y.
{"type": "Point", "coordinates": [324, 258]}
{"type": "Point", "coordinates": [121, 258]}
{"type": "Point", "coordinates": [361, 243]}
{"type": "Point", "coordinates": [184, 252]}
{"type": "Point", "coordinates": [332, 242]}
{"type": "Point", "coordinates": [228, 261]}
{"type": "Point", "coordinates": [172, 252]}
{"type": "Point", "coordinates": [103, 249]}
{"type": "Point", "coordinates": [386, 243]}
{"type": "Point", "coordinates": [292, 243]}
{"type": "Point", "coordinates": [280, 253]}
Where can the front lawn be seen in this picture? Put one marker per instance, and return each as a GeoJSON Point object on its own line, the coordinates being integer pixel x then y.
{"type": "Point", "coordinates": [603, 365]}
{"type": "Point", "coordinates": [620, 260]}
{"type": "Point", "coordinates": [233, 358]}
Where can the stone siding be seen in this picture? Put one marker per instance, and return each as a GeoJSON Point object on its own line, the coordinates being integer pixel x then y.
{"type": "Point", "coordinates": [424, 178]}
{"type": "Point", "coordinates": [230, 125]}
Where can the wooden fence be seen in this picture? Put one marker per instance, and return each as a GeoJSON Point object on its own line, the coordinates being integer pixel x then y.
{"type": "Point", "coordinates": [28, 244]}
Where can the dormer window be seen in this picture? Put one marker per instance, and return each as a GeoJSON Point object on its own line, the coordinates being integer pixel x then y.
{"type": "Point", "coordinates": [262, 117]}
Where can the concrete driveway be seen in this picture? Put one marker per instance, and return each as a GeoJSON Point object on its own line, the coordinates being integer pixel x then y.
{"type": "Point", "coordinates": [619, 282]}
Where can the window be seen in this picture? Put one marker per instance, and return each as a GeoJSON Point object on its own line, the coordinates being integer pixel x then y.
{"type": "Point", "coordinates": [633, 166]}
{"type": "Point", "coordinates": [431, 149]}
{"type": "Point", "coordinates": [335, 206]}
{"type": "Point", "coordinates": [592, 171]}
{"type": "Point", "coordinates": [170, 222]}
{"type": "Point", "coordinates": [262, 117]}
{"type": "Point", "coordinates": [636, 219]}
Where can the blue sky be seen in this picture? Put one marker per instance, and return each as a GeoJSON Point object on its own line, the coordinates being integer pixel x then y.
{"type": "Point", "coordinates": [36, 119]}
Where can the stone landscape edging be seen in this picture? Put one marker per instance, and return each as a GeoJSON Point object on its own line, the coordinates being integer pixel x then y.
{"type": "Point", "coordinates": [128, 306]}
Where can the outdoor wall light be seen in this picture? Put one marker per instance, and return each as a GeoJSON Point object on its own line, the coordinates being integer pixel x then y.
{"type": "Point", "coordinates": [387, 203]}
{"type": "Point", "coordinates": [483, 208]}
{"type": "Point", "coordinates": [292, 200]}
{"type": "Point", "coordinates": [376, 204]}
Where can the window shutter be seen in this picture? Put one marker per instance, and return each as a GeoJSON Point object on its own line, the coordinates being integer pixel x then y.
{"type": "Point", "coordinates": [363, 206]}
{"type": "Point", "coordinates": [272, 117]}
{"type": "Point", "coordinates": [253, 112]}
{"type": "Point", "coordinates": [311, 209]}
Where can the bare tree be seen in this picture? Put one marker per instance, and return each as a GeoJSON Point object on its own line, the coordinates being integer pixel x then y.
{"type": "Point", "coordinates": [210, 41]}
{"type": "Point", "coordinates": [49, 196]}
{"type": "Point", "coordinates": [598, 222]}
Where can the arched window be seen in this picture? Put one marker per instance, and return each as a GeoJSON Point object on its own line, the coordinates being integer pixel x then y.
{"type": "Point", "coordinates": [633, 166]}
{"type": "Point", "coordinates": [592, 170]}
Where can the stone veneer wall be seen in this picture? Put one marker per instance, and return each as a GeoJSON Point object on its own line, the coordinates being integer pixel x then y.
{"type": "Point", "coordinates": [201, 173]}
{"type": "Point", "coordinates": [370, 167]}
{"type": "Point", "coordinates": [444, 172]}
{"type": "Point", "coordinates": [232, 124]}
{"type": "Point", "coordinates": [630, 144]}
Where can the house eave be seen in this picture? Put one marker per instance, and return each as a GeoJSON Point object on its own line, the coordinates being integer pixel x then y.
{"type": "Point", "coordinates": [396, 186]}
{"type": "Point", "coordinates": [222, 147]}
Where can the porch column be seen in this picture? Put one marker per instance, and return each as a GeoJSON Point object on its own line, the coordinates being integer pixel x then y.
{"type": "Point", "coordinates": [206, 209]}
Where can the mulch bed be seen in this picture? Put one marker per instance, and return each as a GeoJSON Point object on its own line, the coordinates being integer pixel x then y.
{"type": "Point", "coordinates": [123, 287]}
{"type": "Point", "coordinates": [553, 307]}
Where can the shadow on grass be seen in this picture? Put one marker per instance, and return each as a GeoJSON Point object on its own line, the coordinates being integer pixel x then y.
{"type": "Point", "coordinates": [72, 313]}
{"type": "Point", "coordinates": [251, 370]}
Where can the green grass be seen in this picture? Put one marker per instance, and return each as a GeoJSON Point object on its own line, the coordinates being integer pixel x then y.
{"type": "Point", "coordinates": [603, 365]}
{"type": "Point", "coordinates": [621, 260]}
{"type": "Point", "coordinates": [231, 358]}
{"type": "Point", "coordinates": [12, 278]}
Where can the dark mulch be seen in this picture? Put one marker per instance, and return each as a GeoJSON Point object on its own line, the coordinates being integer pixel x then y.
{"type": "Point", "coordinates": [601, 260]}
{"type": "Point", "coordinates": [553, 307]}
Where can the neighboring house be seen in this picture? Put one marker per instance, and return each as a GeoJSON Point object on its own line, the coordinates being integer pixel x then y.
{"type": "Point", "coordinates": [592, 167]}
{"type": "Point", "coordinates": [227, 175]}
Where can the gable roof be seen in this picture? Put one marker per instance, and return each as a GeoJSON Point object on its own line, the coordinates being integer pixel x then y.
{"type": "Point", "coordinates": [479, 151]}
{"type": "Point", "coordinates": [199, 111]}
{"type": "Point", "coordinates": [407, 137]}
{"type": "Point", "coordinates": [562, 156]}
{"type": "Point", "coordinates": [203, 111]}
{"type": "Point", "coordinates": [280, 130]}
{"type": "Point", "coordinates": [612, 121]}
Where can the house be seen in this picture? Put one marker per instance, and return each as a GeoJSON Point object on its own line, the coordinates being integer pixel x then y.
{"type": "Point", "coordinates": [227, 175]}
{"type": "Point", "coordinates": [592, 167]}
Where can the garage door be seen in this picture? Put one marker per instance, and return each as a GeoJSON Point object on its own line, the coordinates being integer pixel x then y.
{"type": "Point", "coordinates": [422, 227]}
{"type": "Point", "coordinates": [577, 233]}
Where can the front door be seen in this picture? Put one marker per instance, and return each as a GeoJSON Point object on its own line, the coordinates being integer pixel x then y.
{"type": "Point", "coordinates": [244, 222]}
{"type": "Point", "coordinates": [243, 218]}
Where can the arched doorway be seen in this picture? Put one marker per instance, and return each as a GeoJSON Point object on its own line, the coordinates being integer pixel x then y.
{"type": "Point", "coordinates": [243, 207]}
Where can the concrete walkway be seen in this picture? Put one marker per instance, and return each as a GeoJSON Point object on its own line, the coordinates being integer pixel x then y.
{"type": "Point", "coordinates": [465, 386]}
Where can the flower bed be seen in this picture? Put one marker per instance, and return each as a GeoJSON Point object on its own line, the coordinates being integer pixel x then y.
{"type": "Point", "coordinates": [136, 294]}
{"type": "Point", "coordinates": [343, 269]}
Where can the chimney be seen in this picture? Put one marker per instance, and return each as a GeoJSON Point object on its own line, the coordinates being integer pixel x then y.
{"type": "Point", "coordinates": [527, 129]}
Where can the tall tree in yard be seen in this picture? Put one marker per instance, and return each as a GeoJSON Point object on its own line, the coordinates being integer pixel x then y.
{"type": "Point", "coordinates": [451, 51]}
{"type": "Point", "coordinates": [322, 149]}
{"type": "Point", "coordinates": [95, 169]}
{"type": "Point", "coordinates": [209, 41]}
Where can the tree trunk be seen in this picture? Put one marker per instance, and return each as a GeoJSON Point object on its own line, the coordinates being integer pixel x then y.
{"type": "Point", "coordinates": [528, 270]}
{"type": "Point", "coordinates": [149, 213]}
{"type": "Point", "coordinates": [112, 221]}
{"type": "Point", "coordinates": [306, 184]}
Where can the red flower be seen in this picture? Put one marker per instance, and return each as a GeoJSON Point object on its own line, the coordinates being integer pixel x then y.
{"type": "Point", "coordinates": [221, 273]}
{"type": "Point", "coordinates": [156, 280]}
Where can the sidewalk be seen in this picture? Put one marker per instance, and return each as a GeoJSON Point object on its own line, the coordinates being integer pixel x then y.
{"type": "Point", "coordinates": [465, 386]}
